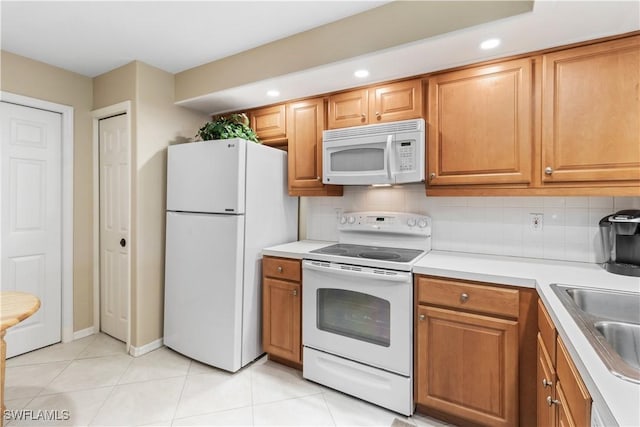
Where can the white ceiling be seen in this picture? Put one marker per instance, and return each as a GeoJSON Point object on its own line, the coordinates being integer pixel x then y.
{"type": "Point", "coordinates": [94, 37]}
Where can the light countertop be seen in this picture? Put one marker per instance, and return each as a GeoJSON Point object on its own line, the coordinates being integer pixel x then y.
{"type": "Point", "coordinates": [617, 400]}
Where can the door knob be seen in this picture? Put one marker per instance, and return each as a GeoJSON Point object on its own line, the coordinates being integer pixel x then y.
{"type": "Point", "coordinates": [123, 243]}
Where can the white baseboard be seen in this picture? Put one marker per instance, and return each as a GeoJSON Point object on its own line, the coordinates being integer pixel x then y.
{"type": "Point", "coordinates": [83, 333]}
{"type": "Point", "coordinates": [139, 351]}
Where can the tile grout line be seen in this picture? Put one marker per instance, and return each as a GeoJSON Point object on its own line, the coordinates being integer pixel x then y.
{"type": "Point", "coordinates": [184, 384]}
{"type": "Point", "coordinates": [112, 390]}
{"type": "Point", "coordinates": [324, 398]}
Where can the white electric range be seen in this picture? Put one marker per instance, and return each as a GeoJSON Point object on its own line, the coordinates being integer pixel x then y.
{"type": "Point", "coordinates": [357, 326]}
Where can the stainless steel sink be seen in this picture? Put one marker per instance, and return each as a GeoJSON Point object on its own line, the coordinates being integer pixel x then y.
{"type": "Point", "coordinates": [611, 322]}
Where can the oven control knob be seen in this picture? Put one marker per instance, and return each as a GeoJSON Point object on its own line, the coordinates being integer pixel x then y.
{"type": "Point", "coordinates": [411, 222]}
{"type": "Point", "coordinates": [422, 223]}
{"type": "Point", "coordinates": [343, 219]}
{"type": "Point", "coordinates": [351, 220]}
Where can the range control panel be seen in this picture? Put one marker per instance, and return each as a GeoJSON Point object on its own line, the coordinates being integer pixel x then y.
{"type": "Point", "coordinates": [389, 222]}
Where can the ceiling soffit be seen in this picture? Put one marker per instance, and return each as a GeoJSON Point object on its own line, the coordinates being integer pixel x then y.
{"type": "Point", "coordinates": [384, 27]}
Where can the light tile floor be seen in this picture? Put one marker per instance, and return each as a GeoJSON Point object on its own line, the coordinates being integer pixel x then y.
{"type": "Point", "coordinates": [99, 384]}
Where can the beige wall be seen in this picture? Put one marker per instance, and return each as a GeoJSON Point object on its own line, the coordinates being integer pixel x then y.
{"type": "Point", "coordinates": [35, 79]}
{"type": "Point", "coordinates": [159, 124]}
{"type": "Point", "coordinates": [393, 24]}
{"type": "Point", "coordinates": [156, 124]}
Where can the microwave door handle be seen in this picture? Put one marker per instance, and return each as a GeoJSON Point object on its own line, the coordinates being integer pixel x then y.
{"type": "Point", "coordinates": [388, 155]}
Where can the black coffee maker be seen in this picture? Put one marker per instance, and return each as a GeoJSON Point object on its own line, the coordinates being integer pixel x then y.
{"type": "Point", "coordinates": [620, 235]}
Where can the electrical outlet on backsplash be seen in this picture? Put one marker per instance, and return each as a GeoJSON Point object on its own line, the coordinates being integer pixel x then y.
{"type": "Point", "coordinates": [487, 225]}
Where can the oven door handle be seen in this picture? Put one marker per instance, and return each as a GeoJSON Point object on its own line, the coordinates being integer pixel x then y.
{"type": "Point", "coordinates": [396, 277]}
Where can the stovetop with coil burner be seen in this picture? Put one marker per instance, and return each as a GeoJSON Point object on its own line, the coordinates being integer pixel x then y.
{"type": "Point", "coordinates": [370, 252]}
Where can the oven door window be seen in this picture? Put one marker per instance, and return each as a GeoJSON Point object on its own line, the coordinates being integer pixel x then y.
{"type": "Point", "coordinates": [355, 315]}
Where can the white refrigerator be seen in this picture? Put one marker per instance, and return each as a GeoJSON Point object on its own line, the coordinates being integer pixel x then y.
{"type": "Point", "coordinates": [226, 201]}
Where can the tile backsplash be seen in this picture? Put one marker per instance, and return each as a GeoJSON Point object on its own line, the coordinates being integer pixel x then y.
{"type": "Point", "coordinates": [488, 225]}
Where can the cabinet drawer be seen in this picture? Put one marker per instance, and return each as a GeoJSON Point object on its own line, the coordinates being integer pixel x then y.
{"type": "Point", "coordinates": [576, 398]}
{"type": "Point", "coordinates": [281, 268]}
{"type": "Point", "coordinates": [547, 331]}
{"type": "Point", "coordinates": [468, 296]}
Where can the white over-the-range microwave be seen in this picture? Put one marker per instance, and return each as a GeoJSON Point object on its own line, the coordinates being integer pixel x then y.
{"type": "Point", "coordinates": [387, 153]}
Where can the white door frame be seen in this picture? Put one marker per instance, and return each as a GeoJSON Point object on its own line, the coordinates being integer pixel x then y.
{"type": "Point", "coordinates": [103, 113]}
{"type": "Point", "coordinates": [67, 200]}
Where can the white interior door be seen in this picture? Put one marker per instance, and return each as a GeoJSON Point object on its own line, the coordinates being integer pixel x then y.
{"type": "Point", "coordinates": [114, 226]}
{"type": "Point", "coordinates": [31, 220]}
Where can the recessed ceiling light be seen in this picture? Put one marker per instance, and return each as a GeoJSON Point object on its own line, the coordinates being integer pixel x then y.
{"type": "Point", "coordinates": [273, 93]}
{"type": "Point", "coordinates": [361, 74]}
{"type": "Point", "coordinates": [490, 44]}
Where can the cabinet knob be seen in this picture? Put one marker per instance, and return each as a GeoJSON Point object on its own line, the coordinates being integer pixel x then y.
{"type": "Point", "coordinates": [464, 297]}
{"type": "Point", "coordinates": [432, 175]}
{"type": "Point", "coordinates": [546, 383]}
{"type": "Point", "coordinates": [551, 401]}
{"type": "Point", "coordinates": [378, 116]}
{"type": "Point", "coordinates": [318, 178]}
{"type": "Point", "coordinates": [294, 292]}
{"type": "Point", "coordinates": [279, 269]}
{"type": "Point", "coordinates": [363, 116]}
{"type": "Point", "coordinates": [548, 170]}
{"type": "Point", "coordinates": [422, 317]}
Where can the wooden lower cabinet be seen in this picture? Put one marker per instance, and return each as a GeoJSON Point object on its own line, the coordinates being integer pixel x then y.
{"type": "Point", "coordinates": [546, 376]}
{"type": "Point", "coordinates": [562, 397]}
{"type": "Point", "coordinates": [467, 365]}
{"type": "Point", "coordinates": [282, 310]}
{"type": "Point", "coordinates": [474, 358]}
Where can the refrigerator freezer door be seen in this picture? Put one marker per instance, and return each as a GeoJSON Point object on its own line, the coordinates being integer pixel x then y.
{"type": "Point", "coordinates": [203, 287]}
{"type": "Point", "coordinates": [207, 176]}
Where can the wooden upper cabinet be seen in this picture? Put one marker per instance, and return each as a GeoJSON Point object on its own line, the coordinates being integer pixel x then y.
{"type": "Point", "coordinates": [591, 113]}
{"type": "Point", "coordinates": [348, 109]}
{"type": "Point", "coordinates": [480, 125]}
{"type": "Point", "coordinates": [305, 123]}
{"type": "Point", "coordinates": [396, 101]}
{"type": "Point", "coordinates": [269, 123]}
{"type": "Point", "coordinates": [385, 103]}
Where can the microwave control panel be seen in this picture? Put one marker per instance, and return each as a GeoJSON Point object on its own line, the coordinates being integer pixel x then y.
{"type": "Point", "coordinates": [406, 155]}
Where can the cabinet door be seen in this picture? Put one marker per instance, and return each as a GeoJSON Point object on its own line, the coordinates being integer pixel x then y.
{"type": "Point", "coordinates": [467, 366]}
{"type": "Point", "coordinates": [546, 387]}
{"type": "Point", "coordinates": [281, 328]}
{"type": "Point", "coordinates": [591, 113]}
{"type": "Point", "coordinates": [564, 416]}
{"type": "Point", "coordinates": [269, 123]}
{"type": "Point", "coordinates": [348, 109]}
{"type": "Point", "coordinates": [480, 125]}
{"type": "Point", "coordinates": [305, 123]}
{"type": "Point", "coordinates": [396, 101]}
